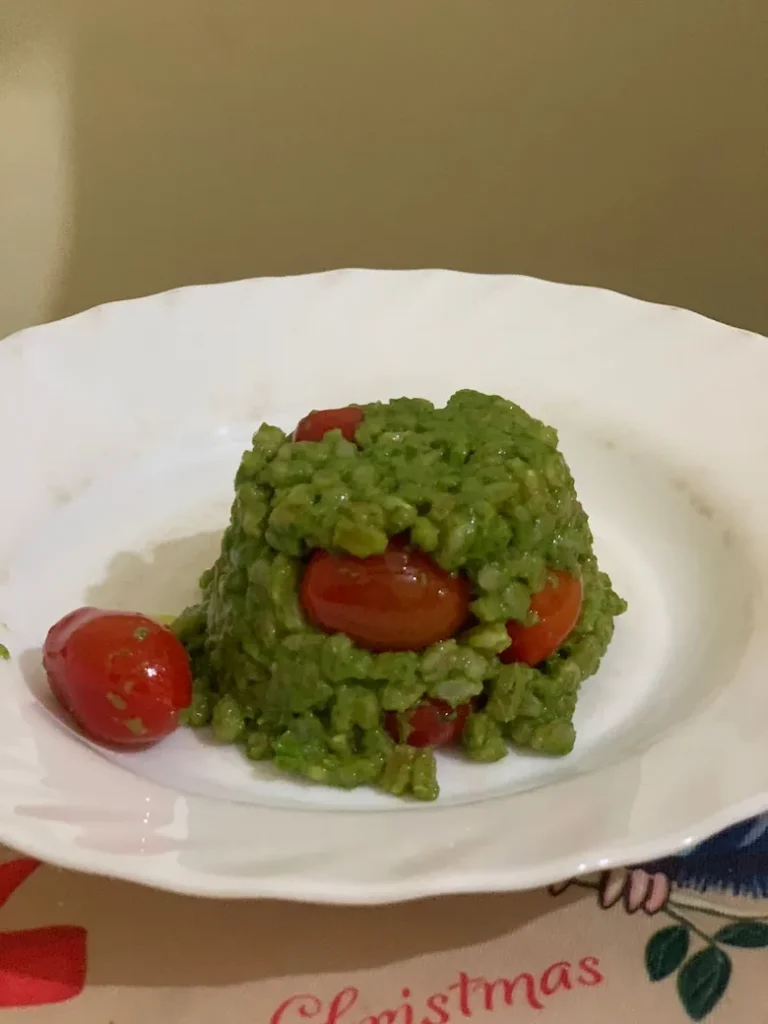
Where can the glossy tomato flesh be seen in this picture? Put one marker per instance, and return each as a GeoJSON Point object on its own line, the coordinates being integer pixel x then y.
{"type": "Point", "coordinates": [398, 601]}
{"type": "Point", "coordinates": [122, 677]}
{"type": "Point", "coordinates": [557, 606]}
{"type": "Point", "coordinates": [315, 426]}
{"type": "Point", "coordinates": [432, 723]}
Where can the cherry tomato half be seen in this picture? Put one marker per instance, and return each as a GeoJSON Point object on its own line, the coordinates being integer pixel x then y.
{"type": "Point", "coordinates": [432, 723]}
{"type": "Point", "coordinates": [122, 677]}
{"type": "Point", "coordinates": [398, 601]}
{"type": "Point", "coordinates": [315, 426]}
{"type": "Point", "coordinates": [557, 606]}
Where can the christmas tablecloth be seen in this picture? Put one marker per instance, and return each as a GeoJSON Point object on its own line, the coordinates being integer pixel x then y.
{"type": "Point", "coordinates": [682, 939]}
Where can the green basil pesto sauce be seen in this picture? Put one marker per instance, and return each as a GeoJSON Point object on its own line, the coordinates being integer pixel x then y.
{"type": "Point", "coordinates": [482, 487]}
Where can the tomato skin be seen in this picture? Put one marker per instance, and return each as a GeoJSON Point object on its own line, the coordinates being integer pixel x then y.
{"type": "Point", "coordinates": [122, 677]}
{"type": "Point", "coordinates": [432, 723]}
{"type": "Point", "coordinates": [316, 425]}
{"type": "Point", "coordinates": [398, 601]}
{"type": "Point", "coordinates": [558, 606]}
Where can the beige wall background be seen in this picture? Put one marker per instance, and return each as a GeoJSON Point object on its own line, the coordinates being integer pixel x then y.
{"type": "Point", "coordinates": [146, 144]}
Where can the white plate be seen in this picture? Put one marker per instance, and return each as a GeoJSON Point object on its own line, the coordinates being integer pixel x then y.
{"type": "Point", "coordinates": [121, 429]}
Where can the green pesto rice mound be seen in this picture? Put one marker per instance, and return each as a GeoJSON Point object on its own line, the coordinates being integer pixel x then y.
{"type": "Point", "coordinates": [479, 485]}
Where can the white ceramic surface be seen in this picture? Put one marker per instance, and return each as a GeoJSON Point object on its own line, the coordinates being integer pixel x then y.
{"type": "Point", "coordinates": [120, 430]}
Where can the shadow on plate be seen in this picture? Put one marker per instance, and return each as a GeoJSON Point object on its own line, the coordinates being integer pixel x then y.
{"type": "Point", "coordinates": [161, 581]}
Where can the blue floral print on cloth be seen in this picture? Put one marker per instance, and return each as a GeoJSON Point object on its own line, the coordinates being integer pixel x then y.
{"type": "Point", "coordinates": [708, 896]}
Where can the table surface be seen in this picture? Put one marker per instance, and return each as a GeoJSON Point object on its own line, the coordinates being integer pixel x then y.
{"type": "Point", "coordinates": [681, 939]}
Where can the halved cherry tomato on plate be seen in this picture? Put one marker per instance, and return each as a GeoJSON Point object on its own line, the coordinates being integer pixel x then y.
{"type": "Point", "coordinates": [432, 723]}
{"type": "Point", "coordinates": [557, 606]}
{"type": "Point", "coordinates": [399, 601]}
{"type": "Point", "coordinates": [315, 426]}
{"type": "Point", "coordinates": [123, 677]}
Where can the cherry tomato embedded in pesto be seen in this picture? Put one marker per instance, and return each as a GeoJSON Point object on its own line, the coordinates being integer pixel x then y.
{"type": "Point", "coordinates": [557, 606]}
{"type": "Point", "coordinates": [316, 425]}
{"type": "Point", "coordinates": [123, 677]}
{"type": "Point", "coordinates": [399, 601]}
{"type": "Point", "coordinates": [432, 723]}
